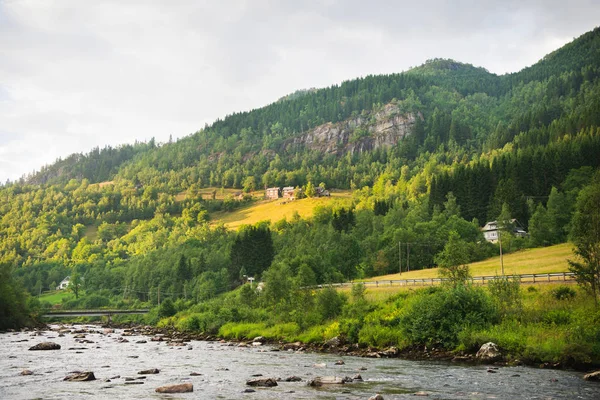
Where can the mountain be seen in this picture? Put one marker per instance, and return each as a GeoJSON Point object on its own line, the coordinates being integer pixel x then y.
{"type": "Point", "coordinates": [442, 147]}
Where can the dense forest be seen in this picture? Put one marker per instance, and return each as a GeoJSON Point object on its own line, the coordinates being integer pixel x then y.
{"type": "Point", "coordinates": [128, 224]}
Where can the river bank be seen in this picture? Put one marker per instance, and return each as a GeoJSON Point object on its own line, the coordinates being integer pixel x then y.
{"type": "Point", "coordinates": [220, 369]}
{"type": "Point", "coordinates": [334, 346]}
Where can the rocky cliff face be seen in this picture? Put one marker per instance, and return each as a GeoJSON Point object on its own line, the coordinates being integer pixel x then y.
{"type": "Point", "coordinates": [383, 128]}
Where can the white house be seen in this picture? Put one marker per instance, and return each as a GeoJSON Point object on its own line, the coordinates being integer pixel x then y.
{"type": "Point", "coordinates": [490, 230]}
{"type": "Point", "coordinates": [64, 283]}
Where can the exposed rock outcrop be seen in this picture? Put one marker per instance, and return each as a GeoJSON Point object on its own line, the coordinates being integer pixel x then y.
{"type": "Point", "coordinates": [383, 128]}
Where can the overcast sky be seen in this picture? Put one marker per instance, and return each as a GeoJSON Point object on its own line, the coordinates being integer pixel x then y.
{"type": "Point", "coordinates": [79, 74]}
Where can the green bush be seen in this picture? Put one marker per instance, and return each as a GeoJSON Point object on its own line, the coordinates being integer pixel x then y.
{"type": "Point", "coordinates": [437, 319]}
{"type": "Point", "coordinates": [563, 293]}
{"type": "Point", "coordinates": [95, 301]}
{"type": "Point", "coordinates": [557, 317]}
{"type": "Point", "coordinates": [381, 336]}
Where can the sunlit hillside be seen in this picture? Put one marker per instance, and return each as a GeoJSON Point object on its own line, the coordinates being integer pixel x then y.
{"type": "Point", "coordinates": [530, 261]}
{"type": "Point", "coordinates": [275, 210]}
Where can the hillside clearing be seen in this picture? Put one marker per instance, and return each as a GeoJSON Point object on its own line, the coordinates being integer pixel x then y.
{"type": "Point", "coordinates": [275, 210]}
{"type": "Point", "coordinates": [530, 261]}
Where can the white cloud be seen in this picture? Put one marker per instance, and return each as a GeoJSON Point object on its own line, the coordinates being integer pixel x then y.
{"type": "Point", "coordinates": [74, 75]}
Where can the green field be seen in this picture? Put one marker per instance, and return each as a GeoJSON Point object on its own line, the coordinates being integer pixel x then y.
{"type": "Point", "coordinates": [56, 297]}
{"type": "Point", "coordinates": [275, 210]}
{"type": "Point", "coordinates": [531, 261]}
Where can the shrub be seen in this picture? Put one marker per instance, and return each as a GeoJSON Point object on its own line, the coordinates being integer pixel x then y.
{"type": "Point", "coordinates": [563, 293]}
{"type": "Point", "coordinates": [330, 303]}
{"type": "Point", "coordinates": [166, 309]}
{"type": "Point", "coordinates": [557, 317]}
{"type": "Point", "coordinates": [438, 318]}
{"type": "Point", "coordinates": [506, 293]}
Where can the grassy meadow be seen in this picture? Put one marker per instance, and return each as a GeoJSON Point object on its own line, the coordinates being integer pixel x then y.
{"type": "Point", "coordinates": [529, 261]}
{"type": "Point", "coordinates": [275, 210]}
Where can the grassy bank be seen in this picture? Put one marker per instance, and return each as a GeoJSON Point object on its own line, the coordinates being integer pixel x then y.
{"type": "Point", "coordinates": [550, 323]}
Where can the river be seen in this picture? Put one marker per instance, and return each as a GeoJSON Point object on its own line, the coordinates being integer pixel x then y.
{"type": "Point", "coordinates": [223, 370]}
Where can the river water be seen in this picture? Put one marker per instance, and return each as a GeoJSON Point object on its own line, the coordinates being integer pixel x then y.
{"type": "Point", "coordinates": [224, 370]}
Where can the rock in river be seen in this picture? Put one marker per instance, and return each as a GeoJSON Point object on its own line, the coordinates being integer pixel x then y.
{"type": "Point", "coordinates": [149, 371]}
{"type": "Point", "coordinates": [179, 388]}
{"type": "Point", "coordinates": [80, 377]}
{"type": "Point", "coordinates": [593, 376]}
{"type": "Point", "coordinates": [266, 382]}
{"type": "Point", "coordinates": [328, 380]}
{"type": "Point", "coordinates": [46, 346]}
{"type": "Point", "coordinates": [489, 352]}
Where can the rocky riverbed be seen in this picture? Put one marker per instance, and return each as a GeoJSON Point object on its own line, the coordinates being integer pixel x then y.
{"type": "Point", "coordinates": [94, 362]}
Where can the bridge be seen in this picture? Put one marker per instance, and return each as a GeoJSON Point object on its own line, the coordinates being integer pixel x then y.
{"type": "Point", "coordinates": [90, 313]}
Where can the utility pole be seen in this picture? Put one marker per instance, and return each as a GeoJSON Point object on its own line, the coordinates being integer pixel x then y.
{"type": "Point", "coordinates": [408, 256]}
{"type": "Point", "coordinates": [500, 243]}
{"type": "Point", "coordinates": [400, 256]}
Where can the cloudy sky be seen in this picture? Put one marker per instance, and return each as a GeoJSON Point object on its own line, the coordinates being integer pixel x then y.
{"type": "Point", "coordinates": [77, 74]}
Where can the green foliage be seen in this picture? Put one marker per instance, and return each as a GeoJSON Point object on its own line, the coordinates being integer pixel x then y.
{"type": "Point", "coordinates": [563, 293]}
{"type": "Point", "coordinates": [252, 250]}
{"type": "Point", "coordinates": [453, 260]}
{"type": "Point", "coordinates": [585, 235]}
{"type": "Point", "coordinates": [329, 303]}
{"type": "Point", "coordinates": [13, 302]}
{"type": "Point", "coordinates": [506, 292]}
{"type": "Point", "coordinates": [166, 309]}
{"type": "Point", "coordinates": [438, 319]}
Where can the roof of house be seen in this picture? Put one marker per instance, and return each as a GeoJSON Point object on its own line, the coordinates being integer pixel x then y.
{"type": "Point", "coordinates": [493, 226]}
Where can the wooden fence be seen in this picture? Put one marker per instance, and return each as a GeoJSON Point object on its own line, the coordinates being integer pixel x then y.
{"type": "Point", "coordinates": [481, 280]}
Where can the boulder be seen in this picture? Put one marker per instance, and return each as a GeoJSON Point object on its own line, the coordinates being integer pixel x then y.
{"type": "Point", "coordinates": [376, 397]}
{"type": "Point", "coordinates": [340, 362]}
{"type": "Point", "coordinates": [260, 339]}
{"type": "Point", "coordinates": [293, 379]}
{"type": "Point", "coordinates": [26, 372]}
{"type": "Point", "coordinates": [80, 377]}
{"type": "Point", "coordinates": [264, 382]}
{"type": "Point", "coordinates": [333, 342]}
{"type": "Point", "coordinates": [46, 346]}
{"type": "Point", "coordinates": [292, 346]}
{"type": "Point", "coordinates": [327, 380]}
{"type": "Point", "coordinates": [357, 377]}
{"type": "Point", "coordinates": [179, 388]}
{"type": "Point", "coordinates": [149, 371]}
{"type": "Point", "coordinates": [593, 376]}
{"type": "Point", "coordinates": [489, 352]}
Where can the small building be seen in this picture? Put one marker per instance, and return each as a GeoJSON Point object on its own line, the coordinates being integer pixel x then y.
{"type": "Point", "coordinates": [320, 192]}
{"type": "Point", "coordinates": [491, 230]}
{"type": "Point", "coordinates": [64, 283]}
{"type": "Point", "coordinates": [272, 193]}
{"type": "Point", "coordinates": [288, 192]}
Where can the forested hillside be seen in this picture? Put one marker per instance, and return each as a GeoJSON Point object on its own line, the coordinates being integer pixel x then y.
{"type": "Point", "coordinates": [430, 153]}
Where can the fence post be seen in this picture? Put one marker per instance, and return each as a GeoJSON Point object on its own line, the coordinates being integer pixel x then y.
{"type": "Point", "coordinates": [533, 278]}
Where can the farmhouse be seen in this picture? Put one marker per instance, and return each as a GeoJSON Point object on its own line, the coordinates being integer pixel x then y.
{"type": "Point", "coordinates": [272, 193]}
{"type": "Point", "coordinates": [64, 283]}
{"type": "Point", "coordinates": [288, 192]}
{"type": "Point", "coordinates": [491, 230]}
